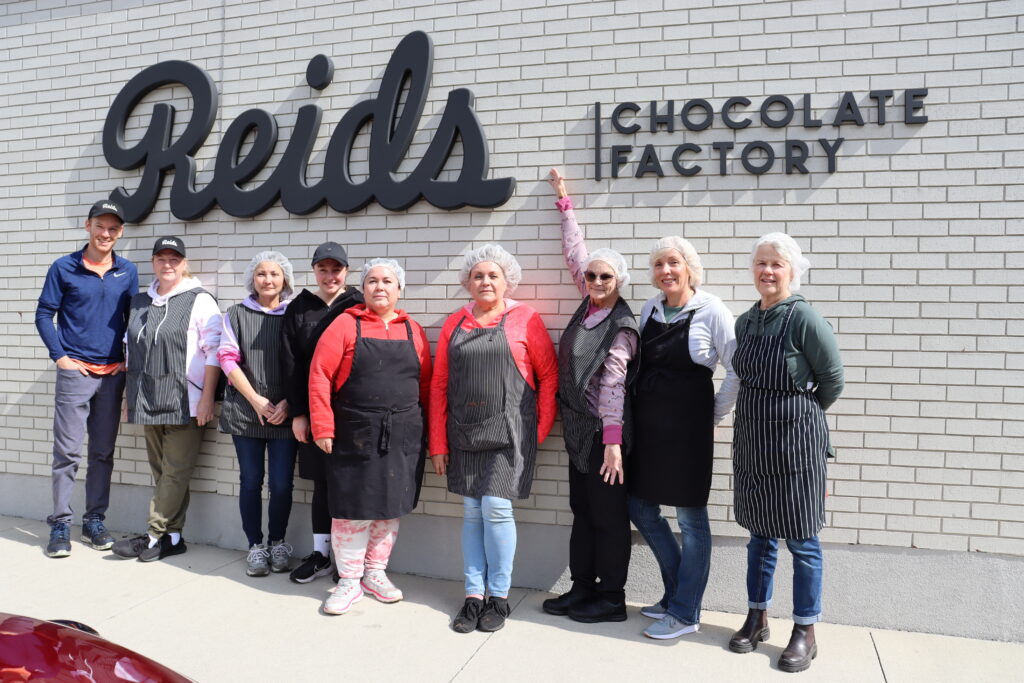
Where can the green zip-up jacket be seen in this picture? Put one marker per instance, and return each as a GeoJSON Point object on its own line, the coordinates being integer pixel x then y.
{"type": "Point", "coordinates": [812, 352]}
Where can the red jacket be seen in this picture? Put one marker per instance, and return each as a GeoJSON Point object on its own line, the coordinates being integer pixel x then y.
{"type": "Point", "coordinates": [532, 351]}
{"type": "Point", "coordinates": [332, 360]}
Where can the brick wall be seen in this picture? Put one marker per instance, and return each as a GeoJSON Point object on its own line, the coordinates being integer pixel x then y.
{"type": "Point", "coordinates": [916, 241]}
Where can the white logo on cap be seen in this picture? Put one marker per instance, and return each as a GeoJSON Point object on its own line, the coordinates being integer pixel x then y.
{"type": "Point", "coordinates": [110, 206]}
{"type": "Point", "coordinates": [169, 243]}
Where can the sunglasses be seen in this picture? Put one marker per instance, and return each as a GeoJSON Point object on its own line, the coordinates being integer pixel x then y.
{"type": "Point", "coordinates": [603, 277]}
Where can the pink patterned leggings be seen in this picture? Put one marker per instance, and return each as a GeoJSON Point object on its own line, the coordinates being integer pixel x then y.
{"type": "Point", "coordinates": [362, 544]}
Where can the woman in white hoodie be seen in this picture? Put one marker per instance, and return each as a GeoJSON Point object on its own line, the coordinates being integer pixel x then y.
{"type": "Point", "coordinates": [174, 330]}
{"type": "Point", "coordinates": [685, 332]}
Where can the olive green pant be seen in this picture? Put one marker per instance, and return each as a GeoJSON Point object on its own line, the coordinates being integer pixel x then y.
{"type": "Point", "coordinates": [173, 451]}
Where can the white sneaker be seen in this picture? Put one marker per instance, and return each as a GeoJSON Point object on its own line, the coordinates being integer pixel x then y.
{"type": "Point", "coordinates": [377, 584]}
{"type": "Point", "coordinates": [347, 593]}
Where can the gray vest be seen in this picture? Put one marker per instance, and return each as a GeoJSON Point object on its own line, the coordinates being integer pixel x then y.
{"type": "Point", "coordinates": [581, 352]}
{"type": "Point", "coordinates": [157, 386]}
{"type": "Point", "coordinates": [260, 338]}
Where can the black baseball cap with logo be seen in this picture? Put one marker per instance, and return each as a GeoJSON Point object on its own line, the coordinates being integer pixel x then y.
{"type": "Point", "coordinates": [172, 243]}
{"type": "Point", "coordinates": [106, 206]}
{"type": "Point", "coordinates": [330, 250]}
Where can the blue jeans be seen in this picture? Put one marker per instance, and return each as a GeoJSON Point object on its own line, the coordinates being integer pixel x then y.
{"type": "Point", "coordinates": [684, 581]}
{"type": "Point", "coordinates": [281, 459]}
{"type": "Point", "coordinates": [762, 554]}
{"type": "Point", "coordinates": [488, 545]}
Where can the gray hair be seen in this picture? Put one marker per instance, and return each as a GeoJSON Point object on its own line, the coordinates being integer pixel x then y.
{"type": "Point", "coordinates": [686, 250]}
{"type": "Point", "coordinates": [615, 261]}
{"type": "Point", "coordinates": [789, 250]}
{"type": "Point", "coordinates": [496, 254]}
{"type": "Point", "coordinates": [272, 257]}
{"type": "Point", "coordinates": [389, 263]}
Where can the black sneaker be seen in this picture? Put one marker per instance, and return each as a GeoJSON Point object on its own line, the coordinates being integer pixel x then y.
{"type": "Point", "coordinates": [131, 547]}
{"type": "Point", "coordinates": [495, 612]}
{"type": "Point", "coordinates": [95, 535]}
{"type": "Point", "coordinates": [151, 553]}
{"type": "Point", "coordinates": [60, 540]}
{"type": "Point", "coordinates": [313, 566]}
{"type": "Point", "coordinates": [469, 616]}
{"type": "Point", "coordinates": [174, 548]}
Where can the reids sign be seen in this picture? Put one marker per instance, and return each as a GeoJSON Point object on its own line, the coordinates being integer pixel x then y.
{"type": "Point", "coordinates": [409, 69]}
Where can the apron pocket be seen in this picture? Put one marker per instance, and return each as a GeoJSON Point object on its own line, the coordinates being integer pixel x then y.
{"type": "Point", "coordinates": [490, 435]}
{"type": "Point", "coordinates": [357, 439]}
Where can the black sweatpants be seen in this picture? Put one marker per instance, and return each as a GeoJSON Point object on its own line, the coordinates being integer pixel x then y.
{"type": "Point", "coordinates": [599, 546]}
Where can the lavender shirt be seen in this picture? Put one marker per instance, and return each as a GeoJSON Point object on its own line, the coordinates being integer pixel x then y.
{"type": "Point", "coordinates": [606, 391]}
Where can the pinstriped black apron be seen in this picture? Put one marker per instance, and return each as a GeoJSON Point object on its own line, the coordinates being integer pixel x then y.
{"type": "Point", "coordinates": [376, 465]}
{"type": "Point", "coordinates": [673, 419]}
{"type": "Point", "coordinates": [780, 443]}
{"type": "Point", "coordinates": [492, 416]}
{"type": "Point", "coordinates": [156, 387]}
{"type": "Point", "coordinates": [581, 353]}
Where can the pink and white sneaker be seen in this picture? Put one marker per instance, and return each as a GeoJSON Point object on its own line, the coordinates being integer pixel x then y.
{"type": "Point", "coordinates": [347, 593]}
{"type": "Point", "coordinates": [376, 583]}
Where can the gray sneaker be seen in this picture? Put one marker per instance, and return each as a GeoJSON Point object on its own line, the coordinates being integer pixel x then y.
{"type": "Point", "coordinates": [257, 561]}
{"type": "Point", "coordinates": [280, 555]}
{"type": "Point", "coordinates": [669, 627]}
{"type": "Point", "coordinates": [655, 611]}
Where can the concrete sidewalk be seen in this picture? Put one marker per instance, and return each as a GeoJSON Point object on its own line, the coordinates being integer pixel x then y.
{"type": "Point", "coordinates": [199, 614]}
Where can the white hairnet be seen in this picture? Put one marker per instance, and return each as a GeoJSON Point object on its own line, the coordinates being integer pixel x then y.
{"type": "Point", "coordinates": [389, 263]}
{"type": "Point", "coordinates": [615, 260]}
{"type": "Point", "coordinates": [788, 249]}
{"type": "Point", "coordinates": [688, 253]}
{"type": "Point", "coordinates": [496, 254]}
{"type": "Point", "coordinates": [273, 257]}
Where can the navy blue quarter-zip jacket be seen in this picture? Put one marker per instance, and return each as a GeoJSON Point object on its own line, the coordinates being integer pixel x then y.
{"type": "Point", "coordinates": [92, 311]}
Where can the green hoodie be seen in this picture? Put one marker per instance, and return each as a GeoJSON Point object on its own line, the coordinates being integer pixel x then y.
{"type": "Point", "coordinates": [812, 352]}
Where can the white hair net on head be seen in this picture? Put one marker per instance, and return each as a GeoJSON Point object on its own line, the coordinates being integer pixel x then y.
{"type": "Point", "coordinates": [389, 263]}
{"type": "Point", "coordinates": [788, 249]}
{"type": "Point", "coordinates": [496, 254]}
{"type": "Point", "coordinates": [272, 257]}
{"type": "Point", "coordinates": [689, 254]}
{"type": "Point", "coordinates": [615, 261]}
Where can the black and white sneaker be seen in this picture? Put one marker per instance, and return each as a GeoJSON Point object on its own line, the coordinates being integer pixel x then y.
{"type": "Point", "coordinates": [313, 566]}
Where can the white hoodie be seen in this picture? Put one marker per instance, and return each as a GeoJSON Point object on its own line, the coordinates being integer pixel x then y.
{"type": "Point", "coordinates": [712, 340]}
{"type": "Point", "coordinates": [202, 336]}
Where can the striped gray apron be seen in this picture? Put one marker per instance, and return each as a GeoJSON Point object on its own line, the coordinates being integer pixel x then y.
{"type": "Point", "coordinates": [581, 353]}
{"type": "Point", "coordinates": [492, 416]}
{"type": "Point", "coordinates": [260, 336]}
{"type": "Point", "coordinates": [157, 387]}
{"type": "Point", "coordinates": [780, 443]}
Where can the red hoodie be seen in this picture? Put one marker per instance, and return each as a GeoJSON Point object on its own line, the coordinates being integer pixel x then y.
{"type": "Point", "coordinates": [332, 360]}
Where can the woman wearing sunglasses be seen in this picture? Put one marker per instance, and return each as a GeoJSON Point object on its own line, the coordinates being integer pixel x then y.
{"type": "Point", "coordinates": [596, 362]}
{"type": "Point", "coordinates": [685, 332]}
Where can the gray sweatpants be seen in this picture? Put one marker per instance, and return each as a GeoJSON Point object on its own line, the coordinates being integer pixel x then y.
{"type": "Point", "coordinates": [81, 403]}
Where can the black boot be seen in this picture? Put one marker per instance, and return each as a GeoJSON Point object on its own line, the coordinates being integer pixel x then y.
{"type": "Point", "coordinates": [801, 649]}
{"type": "Point", "coordinates": [753, 631]}
{"type": "Point", "coordinates": [599, 607]}
{"type": "Point", "coordinates": [560, 606]}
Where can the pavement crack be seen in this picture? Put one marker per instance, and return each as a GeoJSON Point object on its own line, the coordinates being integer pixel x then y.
{"type": "Point", "coordinates": [878, 656]}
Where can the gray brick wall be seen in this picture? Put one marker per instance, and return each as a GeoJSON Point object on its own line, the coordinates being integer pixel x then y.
{"type": "Point", "coordinates": [917, 241]}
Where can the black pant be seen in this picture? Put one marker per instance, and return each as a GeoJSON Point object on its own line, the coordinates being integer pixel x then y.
{"type": "Point", "coordinates": [600, 544]}
{"type": "Point", "coordinates": [321, 517]}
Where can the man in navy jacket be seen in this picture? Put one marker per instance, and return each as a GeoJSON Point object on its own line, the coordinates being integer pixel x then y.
{"type": "Point", "coordinates": [88, 291]}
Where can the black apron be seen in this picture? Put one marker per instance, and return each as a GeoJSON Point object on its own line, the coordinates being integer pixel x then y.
{"type": "Point", "coordinates": [780, 443]}
{"type": "Point", "coordinates": [492, 416]}
{"type": "Point", "coordinates": [376, 466]}
{"type": "Point", "coordinates": [673, 419]}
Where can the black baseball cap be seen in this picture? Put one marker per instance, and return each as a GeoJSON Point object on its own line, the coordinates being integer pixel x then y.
{"type": "Point", "coordinates": [330, 250]}
{"type": "Point", "coordinates": [106, 206]}
{"type": "Point", "coordinates": [172, 243]}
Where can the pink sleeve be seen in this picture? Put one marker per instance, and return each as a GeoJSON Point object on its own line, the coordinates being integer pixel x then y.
{"type": "Point", "coordinates": [228, 353]}
{"type": "Point", "coordinates": [612, 396]}
{"type": "Point", "coordinates": [573, 246]}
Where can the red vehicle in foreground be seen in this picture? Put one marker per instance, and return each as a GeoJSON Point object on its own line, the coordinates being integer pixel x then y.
{"type": "Point", "coordinates": [37, 650]}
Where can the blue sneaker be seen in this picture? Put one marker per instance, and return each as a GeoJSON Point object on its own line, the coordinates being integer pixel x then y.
{"type": "Point", "coordinates": [60, 540]}
{"type": "Point", "coordinates": [95, 535]}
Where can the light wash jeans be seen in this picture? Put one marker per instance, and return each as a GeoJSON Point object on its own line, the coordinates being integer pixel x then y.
{"type": "Point", "coordinates": [762, 554]}
{"type": "Point", "coordinates": [488, 545]}
{"type": "Point", "coordinates": [685, 565]}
